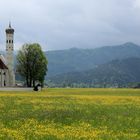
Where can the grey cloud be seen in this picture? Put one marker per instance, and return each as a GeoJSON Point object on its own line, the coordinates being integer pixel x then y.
{"type": "Point", "coordinates": [62, 24]}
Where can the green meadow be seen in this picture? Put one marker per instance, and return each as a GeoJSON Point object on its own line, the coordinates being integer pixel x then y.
{"type": "Point", "coordinates": [70, 114]}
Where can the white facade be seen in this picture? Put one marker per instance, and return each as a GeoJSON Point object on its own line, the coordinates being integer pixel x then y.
{"type": "Point", "coordinates": [10, 54]}
{"type": "Point", "coordinates": [4, 77]}
{"type": "Point", "coordinates": [7, 74]}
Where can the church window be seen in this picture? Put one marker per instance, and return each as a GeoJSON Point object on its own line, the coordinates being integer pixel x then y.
{"type": "Point", "coordinates": [9, 41]}
{"type": "Point", "coordinates": [12, 41]}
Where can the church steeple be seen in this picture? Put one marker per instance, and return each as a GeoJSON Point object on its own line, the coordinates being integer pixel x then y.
{"type": "Point", "coordinates": [9, 30]}
{"type": "Point", "coordinates": [9, 53]}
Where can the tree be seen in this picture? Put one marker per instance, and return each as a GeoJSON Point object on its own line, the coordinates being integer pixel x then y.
{"type": "Point", "coordinates": [32, 64]}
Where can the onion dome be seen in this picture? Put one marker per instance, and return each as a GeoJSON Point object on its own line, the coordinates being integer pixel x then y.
{"type": "Point", "coordinates": [9, 30]}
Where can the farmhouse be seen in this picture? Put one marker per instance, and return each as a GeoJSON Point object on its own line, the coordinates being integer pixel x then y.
{"type": "Point", "coordinates": [7, 74]}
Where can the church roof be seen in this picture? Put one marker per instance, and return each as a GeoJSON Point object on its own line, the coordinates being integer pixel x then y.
{"type": "Point", "coordinates": [2, 65]}
{"type": "Point", "coordinates": [9, 30]}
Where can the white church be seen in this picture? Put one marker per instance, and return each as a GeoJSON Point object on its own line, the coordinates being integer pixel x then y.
{"type": "Point", "coordinates": [7, 73]}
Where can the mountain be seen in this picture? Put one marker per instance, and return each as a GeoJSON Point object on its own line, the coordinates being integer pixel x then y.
{"type": "Point", "coordinates": [114, 73]}
{"type": "Point", "coordinates": [74, 59]}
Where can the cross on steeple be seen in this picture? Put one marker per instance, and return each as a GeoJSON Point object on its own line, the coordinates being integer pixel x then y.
{"type": "Point", "coordinates": [9, 24]}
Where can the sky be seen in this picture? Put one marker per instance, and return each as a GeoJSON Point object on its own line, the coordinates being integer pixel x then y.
{"type": "Point", "coordinates": [64, 24]}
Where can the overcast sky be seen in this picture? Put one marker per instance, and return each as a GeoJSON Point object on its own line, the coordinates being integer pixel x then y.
{"type": "Point", "coordinates": [63, 24]}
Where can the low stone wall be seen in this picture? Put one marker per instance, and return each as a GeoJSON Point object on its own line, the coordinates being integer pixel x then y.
{"type": "Point", "coordinates": [15, 89]}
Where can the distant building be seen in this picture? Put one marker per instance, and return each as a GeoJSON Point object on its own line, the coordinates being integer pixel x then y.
{"type": "Point", "coordinates": [7, 74]}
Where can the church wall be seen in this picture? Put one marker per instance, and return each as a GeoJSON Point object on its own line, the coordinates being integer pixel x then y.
{"type": "Point", "coordinates": [7, 75]}
{"type": "Point", "coordinates": [4, 78]}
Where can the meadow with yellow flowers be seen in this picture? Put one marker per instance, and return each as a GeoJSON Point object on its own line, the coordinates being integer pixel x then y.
{"type": "Point", "coordinates": [70, 114]}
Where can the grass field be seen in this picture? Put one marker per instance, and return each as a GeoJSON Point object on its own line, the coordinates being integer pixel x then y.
{"type": "Point", "coordinates": [70, 114]}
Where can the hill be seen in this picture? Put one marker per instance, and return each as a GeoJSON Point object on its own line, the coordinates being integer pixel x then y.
{"type": "Point", "coordinates": [115, 73]}
{"type": "Point", "coordinates": [64, 61]}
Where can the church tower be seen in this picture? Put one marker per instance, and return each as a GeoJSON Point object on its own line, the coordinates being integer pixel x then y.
{"type": "Point", "coordinates": [10, 54]}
